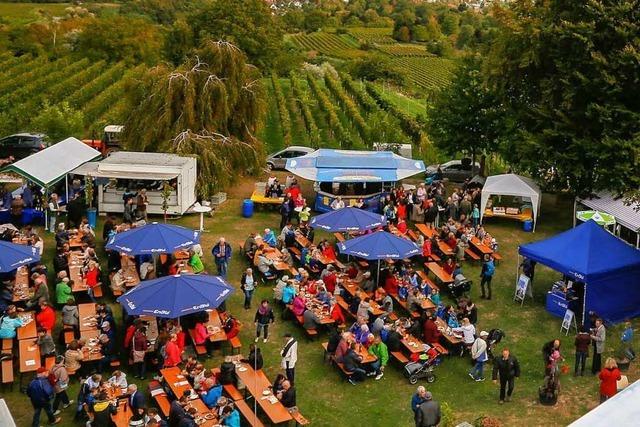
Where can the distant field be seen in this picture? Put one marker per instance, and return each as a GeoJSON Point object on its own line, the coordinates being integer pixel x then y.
{"type": "Point", "coordinates": [404, 49]}
{"type": "Point", "coordinates": [28, 12]}
{"type": "Point", "coordinates": [328, 44]}
{"type": "Point", "coordinates": [372, 35]}
{"type": "Point", "coordinates": [428, 73]}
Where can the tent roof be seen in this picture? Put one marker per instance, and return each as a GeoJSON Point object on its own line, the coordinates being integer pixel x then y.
{"type": "Point", "coordinates": [326, 165]}
{"type": "Point", "coordinates": [586, 253]}
{"type": "Point", "coordinates": [623, 407]}
{"type": "Point", "coordinates": [511, 185]}
{"type": "Point", "coordinates": [607, 202]}
{"type": "Point", "coordinates": [50, 165]}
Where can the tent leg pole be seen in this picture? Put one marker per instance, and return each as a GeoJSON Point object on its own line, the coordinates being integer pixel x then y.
{"type": "Point", "coordinates": [638, 240]}
{"type": "Point", "coordinates": [584, 303]}
{"type": "Point", "coordinates": [66, 188]}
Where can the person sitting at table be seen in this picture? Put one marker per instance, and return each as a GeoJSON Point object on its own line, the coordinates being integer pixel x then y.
{"type": "Point", "coordinates": [299, 305]}
{"type": "Point", "coordinates": [435, 296]}
{"type": "Point", "coordinates": [413, 300]}
{"type": "Point", "coordinates": [287, 396]}
{"type": "Point", "coordinates": [189, 418]}
{"type": "Point", "coordinates": [310, 320]}
{"type": "Point", "coordinates": [468, 331]}
{"type": "Point", "coordinates": [263, 263]}
{"type": "Point", "coordinates": [250, 245]}
{"type": "Point", "coordinates": [364, 308]}
{"type": "Point", "coordinates": [391, 284]}
{"type": "Point", "coordinates": [471, 312]}
{"type": "Point", "coordinates": [213, 392]}
{"type": "Point", "coordinates": [230, 416]}
{"type": "Point", "coordinates": [353, 364]}
{"type": "Point", "coordinates": [431, 334]}
{"type": "Point", "coordinates": [361, 335]}
{"type": "Point", "coordinates": [176, 409]}
{"type": "Point", "coordinates": [335, 311]}
{"type": "Point", "coordinates": [60, 261]}
{"type": "Point", "coordinates": [449, 266]}
{"type": "Point", "coordinates": [288, 293]}
{"type": "Point", "coordinates": [201, 337]}
{"type": "Point", "coordinates": [286, 257]}
{"type": "Point", "coordinates": [231, 326]}
{"type": "Point", "coordinates": [323, 295]}
{"type": "Point", "coordinates": [45, 343]}
{"type": "Point", "coordinates": [62, 235]}
{"type": "Point", "coordinates": [279, 288]}
{"type": "Point", "coordinates": [227, 373]}
{"type": "Point", "coordinates": [269, 237]}
{"type": "Point", "coordinates": [451, 317]}
{"type": "Point", "coordinates": [70, 317]}
{"type": "Point", "coordinates": [46, 318]}
{"type": "Point", "coordinates": [118, 379]}
{"type": "Point", "coordinates": [195, 262]}
{"type": "Point", "coordinates": [105, 314]}
{"type": "Point", "coordinates": [328, 251]}
{"type": "Point", "coordinates": [40, 291]}
{"type": "Point", "coordinates": [147, 271]}
{"type": "Point", "coordinates": [118, 282]}
{"type": "Point", "coordinates": [63, 289]}
{"type": "Point", "coordinates": [73, 357]}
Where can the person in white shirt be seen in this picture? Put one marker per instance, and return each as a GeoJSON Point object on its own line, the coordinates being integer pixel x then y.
{"type": "Point", "coordinates": [289, 355]}
{"type": "Point", "coordinates": [337, 203]}
{"type": "Point", "coordinates": [480, 356]}
{"type": "Point", "coordinates": [54, 210]}
{"type": "Point", "coordinates": [119, 379]}
{"type": "Point", "coordinates": [468, 331]}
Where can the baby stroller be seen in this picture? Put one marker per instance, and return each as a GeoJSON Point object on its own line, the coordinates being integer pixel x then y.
{"type": "Point", "coordinates": [459, 286]}
{"type": "Point", "coordinates": [495, 336]}
{"type": "Point", "coordinates": [423, 368]}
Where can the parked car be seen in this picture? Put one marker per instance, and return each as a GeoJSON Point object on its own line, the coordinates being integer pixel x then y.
{"type": "Point", "coordinates": [22, 145]}
{"type": "Point", "coordinates": [278, 160]}
{"type": "Point", "coordinates": [453, 170]}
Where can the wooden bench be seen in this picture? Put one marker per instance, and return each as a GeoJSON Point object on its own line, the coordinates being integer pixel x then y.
{"type": "Point", "coordinates": [440, 349]}
{"type": "Point", "coordinates": [344, 306]}
{"type": "Point", "coordinates": [413, 235]}
{"type": "Point", "coordinates": [401, 358]}
{"type": "Point", "coordinates": [49, 361]}
{"type": "Point", "coordinates": [496, 256]}
{"type": "Point", "coordinates": [97, 292]}
{"type": "Point", "coordinates": [299, 419]}
{"type": "Point", "coordinates": [200, 349]}
{"type": "Point", "coordinates": [232, 392]}
{"type": "Point", "coordinates": [403, 304]}
{"type": "Point", "coordinates": [7, 371]}
{"type": "Point", "coordinates": [116, 292]}
{"type": "Point", "coordinates": [235, 344]}
{"type": "Point", "coordinates": [471, 254]}
{"type": "Point", "coordinates": [7, 344]}
{"type": "Point", "coordinates": [248, 414]}
{"type": "Point", "coordinates": [160, 396]}
{"type": "Point", "coordinates": [115, 363]}
{"type": "Point", "coordinates": [69, 335]}
{"type": "Point", "coordinates": [343, 369]}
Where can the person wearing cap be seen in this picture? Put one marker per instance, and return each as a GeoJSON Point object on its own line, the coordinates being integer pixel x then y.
{"type": "Point", "coordinates": [428, 413]}
{"type": "Point", "coordinates": [480, 356]}
{"type": "Point", "coordinates": [41, 392]}
{"type": "Point", "coordinates": [60, 378]}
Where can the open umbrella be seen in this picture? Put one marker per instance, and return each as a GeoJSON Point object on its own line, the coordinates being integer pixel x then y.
{"type": "Point", "coordinates": [13, 256]}
{"type": "Point", "coordinates": [348, 219]}
{"type": "Point", "coordinates": [379, 245]}
{"type": "Point", "coordinates": [153, 238]}
{"type": "Point", "coordinates": [175, 296]}
{"type": "Point", "coordinates": [600, 218]}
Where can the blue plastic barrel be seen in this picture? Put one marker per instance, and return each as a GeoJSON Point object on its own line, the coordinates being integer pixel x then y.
{"type": "Point", "coordinates": [528, 226]}
{"type": "Point", "coordinates": [247, 208]}
{"type": "Point", "coordinates": [92, 217]}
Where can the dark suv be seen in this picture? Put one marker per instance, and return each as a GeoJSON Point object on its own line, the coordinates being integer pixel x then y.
{"type": "Point", "coordinates": [22, 145]}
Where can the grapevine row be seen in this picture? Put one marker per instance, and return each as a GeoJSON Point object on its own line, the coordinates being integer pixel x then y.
{"type": "Point", "coordinates": [67, 85]}
{"type": "Point", "coordinates": [285, 120]}
{"type": "Point", "coordinates": [101, 103]}
{"type": "Point", "coordinates": [332, 116]}
{"type": "Point", "coordinates": [302, 101]}
{"type": "Point", "coordinates": [352, 110]}
{"type": "Point", "coordinates": [29, 72]}
{"type": "Point", "coordinates": [85, 93]}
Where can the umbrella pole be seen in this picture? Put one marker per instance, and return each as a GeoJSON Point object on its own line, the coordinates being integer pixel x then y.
{"type": "Point", "coordinates": [378, 275]}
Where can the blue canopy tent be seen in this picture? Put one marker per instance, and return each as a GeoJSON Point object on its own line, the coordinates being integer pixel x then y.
{"type": "Point", "coordinates": [609, 268]}
{"type": "Point", "coordinates": [362, 173]}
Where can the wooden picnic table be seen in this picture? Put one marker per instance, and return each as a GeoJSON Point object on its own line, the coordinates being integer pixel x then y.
{"type": "Point", "coordinates": [76, 240]}
{"type": "Point", "coordinates": [365, 355]}
{"type": "Point", "coordinates": [442, 326]}
{"type": "Point", "coordinates": [75, 260]}
{"type": "Point", "coordinates": [86, 315]}
{"type": "Point", "coordinates": [29, 355]}
{"type": "Point", "coordinates": [122, 415]}
{"type": "Point", "coordinates": [445, 249]}
{"type": "Point", "coordinates": [274, 255]}
{"type": "Point", "coordinates": [302, 241]}
{"type": "Point", "coordinates": [21, 285]}
{"type": "Point", "coordinates": [439, 272]}
{"type": "Point", "coordinates": [423, 276]}
{"type": "Point", "coordinates": [339, 237]}
{"type": "Point", "coordinates": [412, 344]}
{"type": "Point", "coordinates": [21, 240]}
{"type": "Point", "coordinates": [29, 330]}
{"type": "Point", "coordinates": [481, 247]}
{"type": "Point", "coordinates": [91, 350]}
{"type": "Point", "coordinates": [178, 384]}
{"type": "Point", "coordinates": [256, 383]}
{"type": "Point", "coordinates": [427, 231]}
{"type": "Point", "coordinates": [215, 323]}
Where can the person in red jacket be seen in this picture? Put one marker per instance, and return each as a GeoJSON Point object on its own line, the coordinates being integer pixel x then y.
{"type": "Point", "coordinates": [173, 354]}
{"type": "Point", "coordinates": [231, 327]}
{"type": "Point", "coordinates": [609, 376]}
{"type": "Point", "coordinates": [336, 313]}
{"type": "Point", "coordinates": [92, 278]}
{"type": "Point", "coordinates": [430, 331]}
{"type": "Point", "coordinates": [426, 249]}
{"type": "Point", "coordinates": [47, 317]}
{"type": "Point", "coordinates": [391, 284]}
{"type": "Point", "coordinates": [402, 226]}
{"type": "Point", "coordinates": [139, 347]}
{"type": "Point", "coordinates": [330, 279]}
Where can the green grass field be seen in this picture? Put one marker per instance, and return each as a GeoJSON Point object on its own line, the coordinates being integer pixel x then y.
{"type": "Point", "coordinates": [24, 13]}
{"type": "Point", "coordinates": [407, 104]}
{"type": "Point", "coordinates": [327, 400]}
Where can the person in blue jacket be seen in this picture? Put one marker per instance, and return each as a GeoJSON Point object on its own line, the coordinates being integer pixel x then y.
{"type": "Point", "coordinates": [210, 398]}
{"type": "Point", "coordinates": [40, 391]}
{"type": "Point", "coordinates": [221, 254]}
{"type": "Point", "coordinates": [230, 416]}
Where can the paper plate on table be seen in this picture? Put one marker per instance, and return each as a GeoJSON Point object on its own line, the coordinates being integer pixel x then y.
{"type": "Point", "coordinates": [242, 369]}
{"type": "Point", "coordinates": [209, 416]}
{"type": "Point", "coordinates": [266, 392]}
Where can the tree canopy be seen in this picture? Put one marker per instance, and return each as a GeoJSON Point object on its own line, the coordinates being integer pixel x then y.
{"type": "Point", "coordinates": [208, 107]}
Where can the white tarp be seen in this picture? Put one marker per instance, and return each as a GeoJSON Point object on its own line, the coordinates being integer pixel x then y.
{"type": "Point", "coordinates": [50, 165]}
{"type": "Point", "coordinates": [622, 410]}
{"type": "Point", "coordinates": [511, 185]}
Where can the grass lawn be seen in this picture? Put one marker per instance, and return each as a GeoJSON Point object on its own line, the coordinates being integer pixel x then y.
{"type": "Point", "coordinates": [409, 105]}
{"type": "Point", "coordinates": [327, 400]}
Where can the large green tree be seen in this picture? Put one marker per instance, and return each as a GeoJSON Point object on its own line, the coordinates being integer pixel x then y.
{"type": "Point", "coordinates": [209, 107]}
{"type": "Point", "coordinates": [569, 71]}
{"type": "Point", "coordinates": [466, 117]}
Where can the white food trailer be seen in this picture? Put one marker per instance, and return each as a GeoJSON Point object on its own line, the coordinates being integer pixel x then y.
{"type": "Point", "coordinates": [124, 170]}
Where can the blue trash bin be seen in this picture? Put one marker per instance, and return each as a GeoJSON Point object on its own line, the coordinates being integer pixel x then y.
{"type": "Point", "coordinates": [528, 226]}
{"type": "Point", "coordinates": [92, 217]}
{"type": "Point", "coordinates": [247, 208]}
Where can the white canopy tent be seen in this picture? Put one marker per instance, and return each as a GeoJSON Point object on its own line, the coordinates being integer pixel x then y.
{"type": "Point", "coordinates": [621, 410]}
{"type": "Point", "coordinates": [52, 164]}
{"type": "Point", "coordinates": [511, 185]}
{"type": "Point", "coordinates": [626, 215]}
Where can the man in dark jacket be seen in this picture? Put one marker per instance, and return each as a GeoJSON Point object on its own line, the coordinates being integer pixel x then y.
{"type": "Point", "coordinates": [352, 361]}
{"type": "Point", "coordinates": [189, 419]}
{"type": "Point", "coordinates": [41, 393]}
{"type": "Point", "coordinates": [428, 413]}
{"type": "Point", "coordinates": [102, 411]}
{"type": "Point", "coordinates": [176, 410]}
{"type": "Point", "coordinates": [508, 368]}
{"type": "Point", "coordinates": [582, 342]}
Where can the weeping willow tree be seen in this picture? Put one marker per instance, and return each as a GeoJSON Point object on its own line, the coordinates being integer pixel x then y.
{"type": "Point", "coordinates": [209, 107]}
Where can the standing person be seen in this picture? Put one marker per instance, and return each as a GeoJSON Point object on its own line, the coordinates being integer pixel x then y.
{"type": "Point", "coordinates": [508, 368]}
{"type": "Point", "coordinates": [136, 400]}
{"type": "Point", "coordinates": [285, 212]}
{"type": "Point", "coordinates": [582, 341]}
{"type": "Point", "coordinates": [289, 355]}
{"type": "Point", "coordinates": [139, 348]}
{"type": "Point", "coordinates": [418, 399]}
{"type": "Point", "coordinates": [598, 336]}
{"type": "Point", "coordinates": [41, 392]}
{"type": "Point", "coordinates": [53, 211]}
{"type": "Point", "coordinates": [428, 414]}
{"type": "Point", "coordinates": [609, 376]}
{"type": "Point", "coordinates": [173, 355]}
{"type": "Point", "coordinates": [247, 285]}
{"type": "Point", "coordinates": [488, 269]}
{"type": "Point", "coordinates": [627, 340]}
{"type": "Point", "coordinates": [142, 202]}
{"type": "Point", "coordinates": [129, 216]}
{"type": "Point", "coordinates": [264, 316]}
{"type": "Point", "coordinates": [221, 254]}
{"type": "Point", "coordinates": [60, 378]}
{"type": "Point", "coordinates": [479, 355]}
